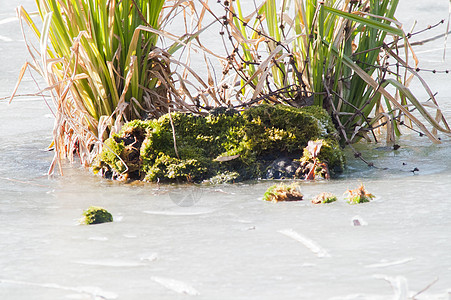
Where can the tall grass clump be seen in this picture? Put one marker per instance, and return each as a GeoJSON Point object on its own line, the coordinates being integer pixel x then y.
{"type": "Point", "coordinates": [340, 55]}
{"type": "Point", "coordinates": [102, 67]}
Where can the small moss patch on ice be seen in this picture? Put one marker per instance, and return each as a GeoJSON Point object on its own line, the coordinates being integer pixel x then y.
{"type": "Point", "coordinates": [323, 198]}
{"type": "Point", "coordinates": [282, 192]}
{"type": "Point", "coordinates": [96, 215]}
{"type": "Point", "coordinates": [358, 195]}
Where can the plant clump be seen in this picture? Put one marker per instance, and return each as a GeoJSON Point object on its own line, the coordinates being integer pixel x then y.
{"type": "Point", "coordinates": [282, 192]}
{"type": "Point", "coordinates": [102, 71]}
{"type": "Point", "coordinates": [324, 198]}
{"type": "Point", "coordinates": [96, 215]}
{"type": "Point", "coordinates": [315, 161]}
{"type": "Point", "coordinates": [264, 141]}
{"type": "Point", "coordinates": [358, 195]}
{"type": "Point", "coordinates": [333, 54]}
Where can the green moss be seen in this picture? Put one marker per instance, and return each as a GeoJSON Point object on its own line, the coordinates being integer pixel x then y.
{"type": "Point", "coordinates": [333, 155]}
{"type": "Point", "coordinates": [166, 167]}
{"type": "Point", "coordinates": [224, 142]}
{"type": "Point", "coordinates": [134, 125]}
{"type": "Point", "coordinates": [226, 177]}
{"type": "Point", "coordinates": [111, 154]}
{"type": "Point", "coordinates": [330, 153]}
{"type": "Point", "coordinates": [96, 215]}
{"type": "Point", "coordinates": [285, 128]}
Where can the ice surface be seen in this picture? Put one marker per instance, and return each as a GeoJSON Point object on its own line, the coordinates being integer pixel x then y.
{"type": "Point", "coordinates": [92, 291]}
{"type": "Point", "coordinates": [176, 286]}
{"type": "Point", "coordinates": [310, 244]}
{"type": "Point", "coordinates": [390, 263]}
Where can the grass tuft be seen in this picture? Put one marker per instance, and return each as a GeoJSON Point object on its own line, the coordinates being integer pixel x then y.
{"type": "Point", "coordinates": [282, 192]}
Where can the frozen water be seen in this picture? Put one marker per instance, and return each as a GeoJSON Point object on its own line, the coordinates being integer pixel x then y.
{"type": "Point", "coordinates": [176, 286]}
{"type": "Point", "coordinates": [222, 242]}
{"type": "Point", "coordinates": [391, 263]}
{"type": "Point", "coordinates": [310, 244]}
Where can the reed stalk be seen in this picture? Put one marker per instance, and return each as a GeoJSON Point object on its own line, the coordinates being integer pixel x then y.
{"type": "Point", "coordinates": [334, 54]}
{"type": "Point", "coordinates": [102, 67]}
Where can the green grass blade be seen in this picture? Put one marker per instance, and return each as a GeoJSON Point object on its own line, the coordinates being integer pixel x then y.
{"type": "Point", "coordinates": [365, 21]}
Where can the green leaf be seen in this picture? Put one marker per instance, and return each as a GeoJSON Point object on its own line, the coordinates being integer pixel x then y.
{"type": "Point", "coordinates": [365, 21]}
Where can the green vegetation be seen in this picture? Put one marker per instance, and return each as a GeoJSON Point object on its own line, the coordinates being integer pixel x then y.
{"type": "Point", "coordinates": [333, 54]}
{"type": "Point", "coordinates": [282, 192]}
{"type": "Point", "coordinates": [96, 215]}
{"type": "Point", "coordinates": [358, 195]}
{"type": "Point", "coordinates": [324, 198]}
{"type": "Point", "coordinates": [101, 64]}
{"type": "Point", "coordinates": [220, 147]}
{"type": "Point", "coordinates": [103, 68]}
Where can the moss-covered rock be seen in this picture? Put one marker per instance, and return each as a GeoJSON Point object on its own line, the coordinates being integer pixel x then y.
{"type": "Point", "coordinates": [225, 146]}
{"type": "Point", "coordinates": [96, 215]}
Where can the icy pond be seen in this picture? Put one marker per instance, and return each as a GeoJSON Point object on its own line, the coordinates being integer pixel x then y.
{"type": "Point", "coordinates": [223, 242]}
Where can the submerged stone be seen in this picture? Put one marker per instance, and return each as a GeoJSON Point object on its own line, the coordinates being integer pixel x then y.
{"type": "Point", "coordinates": [265, 141]}
{"type": "Point", "coordinates": [282, 167]}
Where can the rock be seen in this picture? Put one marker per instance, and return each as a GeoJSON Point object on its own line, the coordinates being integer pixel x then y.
{"type": "Point", "coordinates": [96, 215]}
{"type": "Point", "coordinates": [282, 167]}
